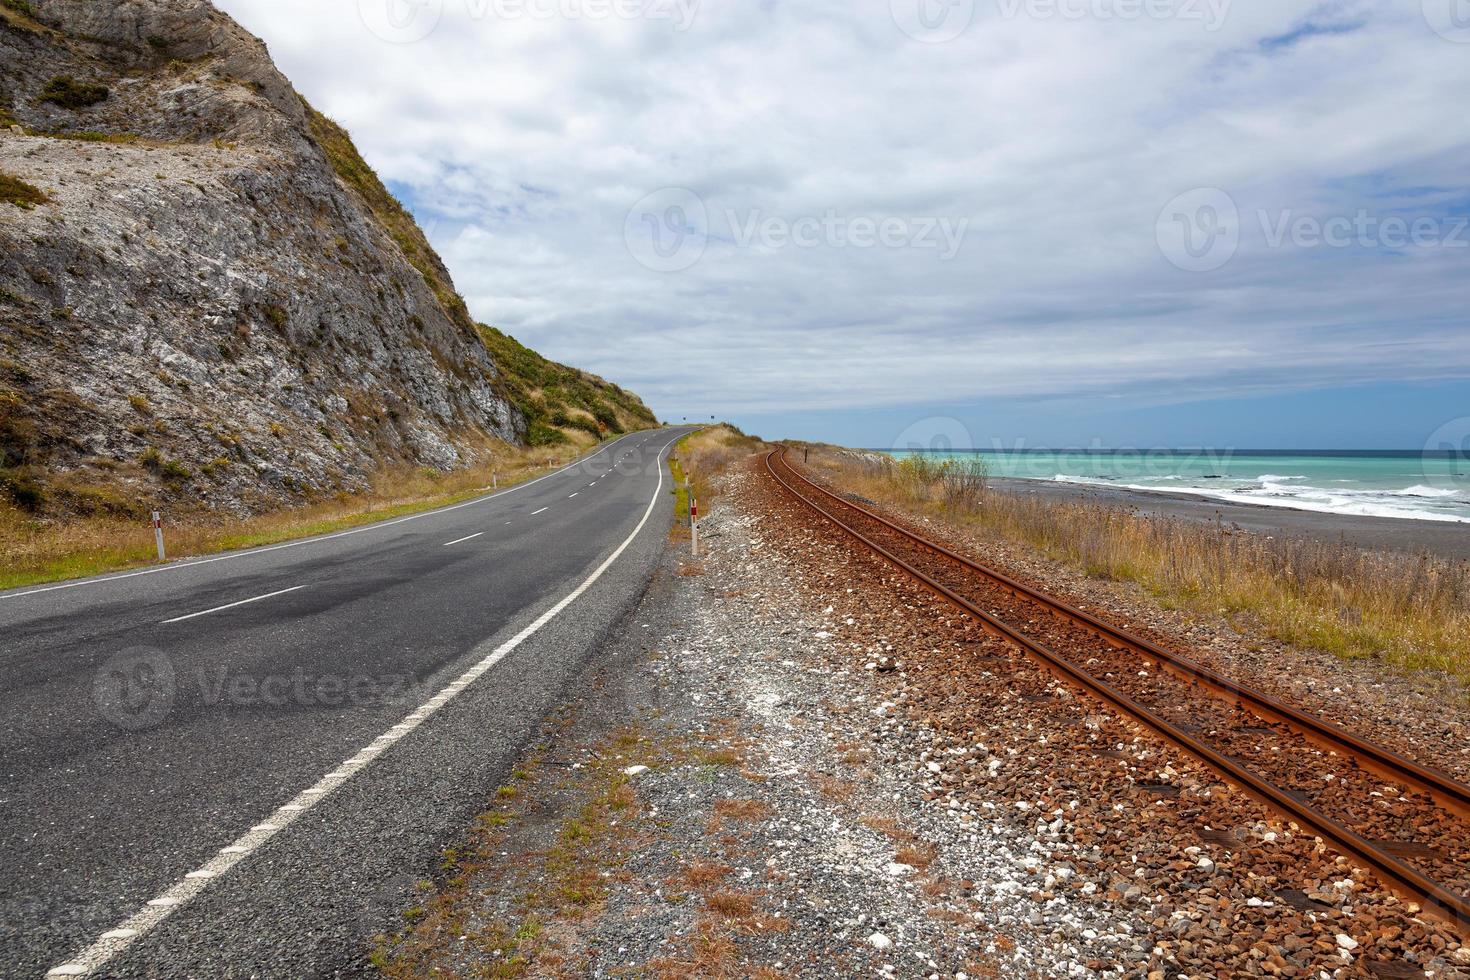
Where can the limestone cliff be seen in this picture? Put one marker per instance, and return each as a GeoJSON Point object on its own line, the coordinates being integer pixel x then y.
{"type": "Point", "coordinates": [205, 294]}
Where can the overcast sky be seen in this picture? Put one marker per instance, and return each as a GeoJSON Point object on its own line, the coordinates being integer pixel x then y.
{"type": "Point", "coordinates": [1055, 220]}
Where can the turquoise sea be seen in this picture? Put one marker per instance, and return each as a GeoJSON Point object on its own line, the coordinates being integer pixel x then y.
{"type": "Point", "coordinates": [1378, 484]}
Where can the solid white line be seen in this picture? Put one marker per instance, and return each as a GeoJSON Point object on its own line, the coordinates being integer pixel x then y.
{"type": "Point", "coordinates": [115, 940]}
{"type": "Point", "coordinates": [316, 540]}
{"type": "Point", "coordinates": [242, 602]}
{"type": "Point", "coordinates": [468, 537]}
{"type": "Point", "coordinates": [541, 511]}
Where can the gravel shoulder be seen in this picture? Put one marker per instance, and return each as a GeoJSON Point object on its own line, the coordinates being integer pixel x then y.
{"type": "Point", "coordinates": [788, 761]}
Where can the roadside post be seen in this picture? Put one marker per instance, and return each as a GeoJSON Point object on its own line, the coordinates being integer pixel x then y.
{"type": "Point", "coordinates": [158, 534]}
{"type": "Point", "coordinates": [694, 523]}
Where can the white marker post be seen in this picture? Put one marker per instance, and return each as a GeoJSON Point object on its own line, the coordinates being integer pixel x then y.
{"type": "Point", "coordinates": [158, 534]}
{"type": "Point", "coordinates": [694, 523]}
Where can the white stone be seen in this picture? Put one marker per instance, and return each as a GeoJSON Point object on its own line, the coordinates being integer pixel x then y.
{"type": "Point", "coordinates": [1344, 941]}
{"type": "Point", "coordinates": [635, 770]}
{"type": "Point", "coordinates": [879, 941]}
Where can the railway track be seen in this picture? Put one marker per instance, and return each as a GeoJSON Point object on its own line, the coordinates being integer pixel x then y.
{"type": "Point", "coordinates": [1407, 822]}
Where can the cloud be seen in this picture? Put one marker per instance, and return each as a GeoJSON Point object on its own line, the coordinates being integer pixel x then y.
{"type": "Point", "coordinates": [1057, 131]}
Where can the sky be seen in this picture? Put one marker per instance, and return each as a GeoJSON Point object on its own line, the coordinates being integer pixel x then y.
{"type": "Point", "coordinates": [1046, 222]}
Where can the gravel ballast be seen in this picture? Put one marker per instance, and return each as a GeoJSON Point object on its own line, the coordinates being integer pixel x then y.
{"type": "Point", "coordinates": [824, 771]}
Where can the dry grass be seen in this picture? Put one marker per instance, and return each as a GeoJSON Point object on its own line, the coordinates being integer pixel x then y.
{"type": "Point", "coordinates": [34, 550]}
{"type": "Point", "coordinates": [731, 905]}
{"type": "Point", "coordinates": [1412, 612]}
{"type": "Point", "coordinates": [704, 455]}
{"type": "Point", "coordinates": [700, 874]}
{"type": "Point", "coordinates": [833, 789]}
{"type": "Point", "coordinates": [888, 827]}
{"type": "Point", "coordinates": [552, 888]}
{"type": "Point", "coordinates": [737, 811]}
{"type": "Point", "coordinates": [916, 856]}
{"type": "Point", "coordinates": [712, 953]}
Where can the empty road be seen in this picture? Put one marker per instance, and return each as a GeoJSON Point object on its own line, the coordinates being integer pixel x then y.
{"type": "Point", "coordinates": [240, 765]}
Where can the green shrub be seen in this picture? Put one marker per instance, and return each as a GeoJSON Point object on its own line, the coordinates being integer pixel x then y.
{"type": "Point", "coordinates": [540, 434]}
{"type": "Point", "coordinates": [15, 191]}
{"type": "Point", "coordinates": [27, 493]}
{"type": "Point", "coordinates": [67, 92]}
{"type": "Point", "coordinates": [607, 417]}
{"type": "Point", "coordinates": [175, 472]}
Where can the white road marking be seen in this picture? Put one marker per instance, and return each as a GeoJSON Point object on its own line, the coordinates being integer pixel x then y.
{"type": "Point", "coordinates": [116, 940]}
{"type": "Point", "coordinates": [571, 495]}
{"type": "Point", "coordinates": [242, 602]}
{"type": "Point", "coordinates": [467, 537]}
{"type": "Point", "coordinates": [304, 541]}
{"type": "Point", "coordinates": [541, 511]}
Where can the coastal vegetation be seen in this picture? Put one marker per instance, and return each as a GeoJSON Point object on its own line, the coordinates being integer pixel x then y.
{"type": "Point", "coordinates": [701, 457]}
{"type": "Point", "coordinates": [15, 191]}
{"type": "Point", "coordinates": [1410, 611]}
{"type": "Point", "coordinates": [105, 529]}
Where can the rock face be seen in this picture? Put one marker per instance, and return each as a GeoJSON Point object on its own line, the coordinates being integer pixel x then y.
{"type": "Point", "coordinates": [218, 301]}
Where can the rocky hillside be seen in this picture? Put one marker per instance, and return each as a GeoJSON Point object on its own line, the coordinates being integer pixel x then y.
{"type": "Point", "coordinates": [206, 296]}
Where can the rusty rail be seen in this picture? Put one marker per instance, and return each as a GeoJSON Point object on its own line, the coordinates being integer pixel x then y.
{"type": "Point", "coordinates": [1397, 874]}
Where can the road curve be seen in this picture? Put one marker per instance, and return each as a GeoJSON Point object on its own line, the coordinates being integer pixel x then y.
{"type": "Point", "coordinates": [354, 698]}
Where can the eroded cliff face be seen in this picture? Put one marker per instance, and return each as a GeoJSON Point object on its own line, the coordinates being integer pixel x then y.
{"type": "Point", "coordinates": [216, 301]}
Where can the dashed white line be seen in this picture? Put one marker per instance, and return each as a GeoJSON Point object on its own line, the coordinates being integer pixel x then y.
{"type": "Point", "coordinates": [242, 602]}
{"type": "Point", "coordinates": [571, 495]}
{"type": "Point", "coordinates": [467, 537]}
{"type": "Point", "coordinates": [541, 511]}
{"type": "Point", "coordinates": [113, 942]}
{"type": "Point", "coordinates": [81, 583]}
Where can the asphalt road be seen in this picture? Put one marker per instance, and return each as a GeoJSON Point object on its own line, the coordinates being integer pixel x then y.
{"type": "Point", "coordinates": [317, 692]}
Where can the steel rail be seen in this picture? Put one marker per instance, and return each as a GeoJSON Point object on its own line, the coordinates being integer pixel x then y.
{"type": "Point", "coordinates": [1444, 789]}
{"type": "Point", "coordinates": [1397, 874]}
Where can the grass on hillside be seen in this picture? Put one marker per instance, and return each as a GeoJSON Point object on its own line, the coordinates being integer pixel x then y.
{"type": "Point", "coordinates": [1412, 612]}
{"type": "Point", "coordinates": [704, 455]}
{"type": "Point", "coordinates": [69, 93]}
{"type": "Point", "coordinates": [556, 398]}
{"type": "Point", "coordinates": [15, 191]}
{"type": "Point", "coordinates": [20, 15]}
{"type": "Point", "coordinates": [37, 551]}
{"type": "Point", "coordinates": [342, 154]}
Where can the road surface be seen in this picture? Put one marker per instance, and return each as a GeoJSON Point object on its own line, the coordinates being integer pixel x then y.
{"type": "Point", "coordinates": [355, 699]}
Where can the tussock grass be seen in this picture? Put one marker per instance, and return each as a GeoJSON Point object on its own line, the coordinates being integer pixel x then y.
{"type": "Point", "coordinates": [1408, 611]}
{"type": "Point", "coordinates": [702, 456]}
{"type": "Point", "coordinates": [35, 549]}
{"type": "Point", "coordinates": [69, 93]}
{"type": "Point", "coordinates": [15, 191]}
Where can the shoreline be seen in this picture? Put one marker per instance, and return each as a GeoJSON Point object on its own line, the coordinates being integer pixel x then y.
{"type": "Point", "coordinates": [1445, 539]}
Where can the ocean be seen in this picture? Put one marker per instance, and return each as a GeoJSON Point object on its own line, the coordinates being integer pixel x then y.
{"type": "Point", "coordinates": [1376, 484]}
